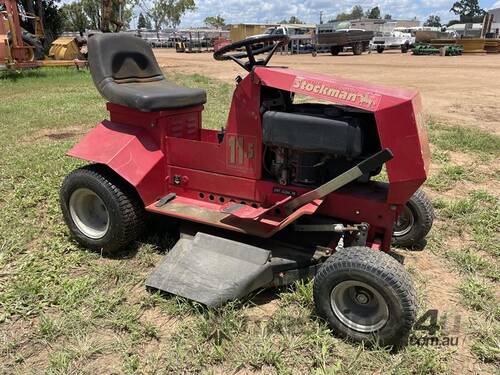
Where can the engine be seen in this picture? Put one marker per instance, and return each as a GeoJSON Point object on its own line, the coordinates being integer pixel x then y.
{"type": "Point", "coordinates": [309, 144]}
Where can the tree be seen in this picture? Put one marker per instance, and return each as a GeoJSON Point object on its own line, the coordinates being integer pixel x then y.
{"type": "Point", "coordinates": [468, 10]}
{"type": "Point", "coordinates": [433, 21]}
{"type": "Point", "coordinates": [51, 16]}
{"type": "Point", "coordinates": [292, 20]}
{"type": "Point", "coordinates": [373, 13]}
{"type": "Point", "coordinates": [115, 15]}
{"type": "Point", "coordinates": [143, 22]}
{"type": "Point", "coordinates": [75, 18]}
{"type": "Point", "coordinates": [355, 13]}
{"type": "Point", "coordinates": [92, 9]}
{"type": "Point", "coordinates": [387, 17]}
{"type": "Point", "coordinates": [166, 12]}
{"type": "Point", "coordinates": [105, 15]}
{"type": "Point", "coordinates": [216, 22]}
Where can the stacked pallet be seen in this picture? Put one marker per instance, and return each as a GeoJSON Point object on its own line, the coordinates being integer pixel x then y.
{"type": "Point", "coordinates": [472, 45]}
{"type": "Point", "coordinates": [492, 45]}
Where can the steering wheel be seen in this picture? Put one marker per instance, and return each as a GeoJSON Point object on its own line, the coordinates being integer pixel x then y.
{"type": "Point", "coordinates": [254, 45]}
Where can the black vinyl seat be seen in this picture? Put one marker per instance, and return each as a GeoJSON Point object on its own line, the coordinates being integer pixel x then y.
{"type": "Point", "coordinates": [125, 72]}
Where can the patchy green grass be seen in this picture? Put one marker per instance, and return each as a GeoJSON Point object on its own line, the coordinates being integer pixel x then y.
{"type": "Point", "coordinates": [480, 296]}
{"type": "Point", "coordinates": [66, 310]}
{"type": "Point", "coordinates": [462, 139]}
{"type": "Point", "coordinates": [448, 176]}
{"type": "Point", "coordinates": [478, 213]}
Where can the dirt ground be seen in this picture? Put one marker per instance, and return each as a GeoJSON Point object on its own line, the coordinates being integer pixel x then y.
{"type": "Point", "coordinates": [458, 90]}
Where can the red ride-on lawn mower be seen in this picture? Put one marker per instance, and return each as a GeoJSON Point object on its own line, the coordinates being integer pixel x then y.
{"type": "Point", "coordinates": [285, 191]}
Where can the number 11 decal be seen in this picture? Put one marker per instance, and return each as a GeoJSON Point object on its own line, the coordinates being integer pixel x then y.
{"type": "Point", "coordinates": [239, 153]}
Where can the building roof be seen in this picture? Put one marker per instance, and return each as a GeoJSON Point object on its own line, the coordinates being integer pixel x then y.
{"type": "Point", "coordinates": [461, 26]}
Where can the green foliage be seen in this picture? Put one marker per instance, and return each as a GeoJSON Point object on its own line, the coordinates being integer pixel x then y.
{"type": "Point", "coordinates": [292, 20]}
{"type": "Point", "coordinates": [468, 10]}
{"type": "Point", "coordinates": [355, 13]}
{"type": "Point", "coordinates": [88, 14]}
{"type": "Point", "coordinates": [433, 21]}
{"type": "Point", "coordinates": [143, 22]}
{"type": "Point", "coordinates": [373, 13]}
{"type": "Point", "coordinates": [216, 22]}
{"type": "Point", "coordinates": [388, 17]}
{"type": "Point", "coordinates": [52, 19]}
{"type": "Point", "coordinates": [166, 12]}
{"type": "Point", "coordinates": [75, 18]}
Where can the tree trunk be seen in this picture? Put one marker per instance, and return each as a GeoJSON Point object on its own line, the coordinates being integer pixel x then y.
{"type": "Point", "coordinates": [106, 6]}
{"type": "Point", "coordinates": [30, 8]}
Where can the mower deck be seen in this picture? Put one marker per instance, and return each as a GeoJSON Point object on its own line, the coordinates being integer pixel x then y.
{"type": "Point", "coordinates": [212, 269]}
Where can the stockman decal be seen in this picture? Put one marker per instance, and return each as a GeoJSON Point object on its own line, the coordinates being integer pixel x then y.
{"type": "Point", "coordinates": [343, 94]}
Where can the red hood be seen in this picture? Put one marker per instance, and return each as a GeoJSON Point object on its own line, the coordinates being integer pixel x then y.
{"type": "Point", "coordinates": [353, 93]}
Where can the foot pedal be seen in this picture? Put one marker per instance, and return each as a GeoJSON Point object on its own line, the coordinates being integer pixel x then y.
{"type": "Point", "coordinates": [212, 270]}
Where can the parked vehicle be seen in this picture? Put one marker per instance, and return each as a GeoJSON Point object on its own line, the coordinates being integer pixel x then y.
{"type": "Point", "coordinates": [300, 37]}
{"type": "Point", "coordinates": [341, 40]}
{"type": "Point", "coordinates": [394, 39]}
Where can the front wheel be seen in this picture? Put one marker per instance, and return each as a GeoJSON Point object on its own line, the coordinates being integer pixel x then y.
{"type": "Point", "coordinates": [102, 212]}
{"type": "Point", "coordinates": [380, 49]}
{"type": "Point", "coordinates": [357, 49]}
{"type": "Point", "coordinates": [366, 295]}
{"type": "Point", "coordinates": [414, 221]}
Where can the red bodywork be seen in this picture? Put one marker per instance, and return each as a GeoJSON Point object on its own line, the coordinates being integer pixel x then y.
{"type": "Point", "coordinates": [169, 152]}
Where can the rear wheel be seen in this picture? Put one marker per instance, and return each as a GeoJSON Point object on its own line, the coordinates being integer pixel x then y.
{"type": "Point", "coordinates": [103, 213]}
{"type": "Point", "coordinates": [366, 295]}
{"type": "Point", "coordinates": [380, 49]}
{"type": "Point", "coordinates": [414, 221]}
{"type": "Point", "coordinates": [405, 47]}
{"type": "Point", "coordinates": [37, 45]}
{"type": "Point", "coordinates": [335, 50]}
{"type": "Point", "coordinates": [357, 48]}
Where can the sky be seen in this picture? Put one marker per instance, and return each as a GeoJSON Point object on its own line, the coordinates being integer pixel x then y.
{"type": "Point", "coordinates": [239, 11]}
{"type": "Point", "coordinates": [236, 11]}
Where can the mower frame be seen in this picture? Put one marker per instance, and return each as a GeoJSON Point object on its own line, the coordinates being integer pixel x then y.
{"type": "Point", "coordinates": [149, 150]}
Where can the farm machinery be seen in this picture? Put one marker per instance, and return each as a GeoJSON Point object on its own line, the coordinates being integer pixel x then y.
{"type": "Point", "coordinates": [22, 50]}
{"type": "Point", "coordinates": [288, 189]}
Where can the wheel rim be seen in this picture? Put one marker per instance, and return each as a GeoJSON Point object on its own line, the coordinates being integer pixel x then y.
{"type": "Point", "coordinates": [359, 306]}
{"type": "Point", "coordinates": [404, 223]}
{"type": "Point", "coordinates": [89, 213]}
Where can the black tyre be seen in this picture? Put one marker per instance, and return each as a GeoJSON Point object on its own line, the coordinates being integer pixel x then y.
{"type": "Point", "coordinates": [380, 49]}
{"type": "Point", "coordinates": [335, 50]}
{"type": "Point", "coordinates": [405, 47]}
{"type": "Point", "coordinates": [37, 45]}
{"type": "Point", "coordinates": [366, 295]}
{"type": "Point", "coordinates": [103, 212]}
{"type": "Point", "coordinates": [357, 48]}
{"type": "Point", "coordinates": [414, 222]}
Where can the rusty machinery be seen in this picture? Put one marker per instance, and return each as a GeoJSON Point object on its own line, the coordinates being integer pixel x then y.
{"type": "Point", "coordinates": [19, 52]}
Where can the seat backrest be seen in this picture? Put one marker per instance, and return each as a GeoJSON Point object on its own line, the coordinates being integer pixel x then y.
{"type": "Point", "coordinates": [121, 58]}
